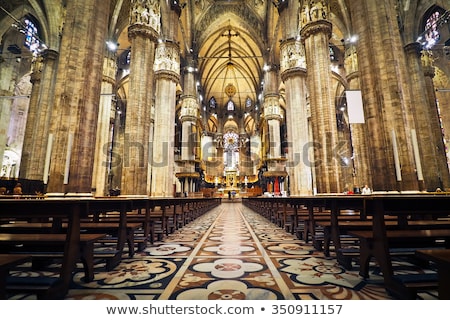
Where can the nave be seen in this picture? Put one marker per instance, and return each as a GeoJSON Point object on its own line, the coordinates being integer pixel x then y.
{"type": "Point", "coordinates": [228, 253]}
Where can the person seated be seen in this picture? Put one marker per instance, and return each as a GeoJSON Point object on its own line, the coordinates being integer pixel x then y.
{"type": "Point", "coordinates": [366, 190]}
{"type": "Point", "coordinates": [17, 189]}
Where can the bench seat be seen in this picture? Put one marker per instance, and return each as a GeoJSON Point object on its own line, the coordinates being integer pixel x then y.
{"type": "Point", "coordinates": [396, 239]}
{"type": "Point", "coordinates": [110, 228]}
{"type": "Point", "coordinates": [50, 246]}
{"type": "Point", "coordinates": [7, 262]}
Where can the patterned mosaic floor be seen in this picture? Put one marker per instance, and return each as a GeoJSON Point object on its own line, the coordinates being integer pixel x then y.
{"type": "Point", "coordinates": [229, 253]}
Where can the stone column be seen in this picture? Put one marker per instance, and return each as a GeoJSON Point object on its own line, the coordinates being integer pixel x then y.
{"type": "Point", "coordinates": [385, 89]}
{"type": "Point", "coordinates": [441, 174]}
{"type": "Point", "coordinates": [5, 118]}
{"type": "Point", "coordinates": [188, 116]}
{"type": "Point", "coordinates": [36, 143]}
{"type": "Point", "coordinates": [426, 119]}
{"type": "Point", "coordinates": [315, 36]}
{"type": "Point", "coordinates": [167, 75]}
{"type": "Point", "coordinates": [167, 70]}
{"type": "Point", "coordinates": [293, 74]}
{"type": "Point", "coordinates": [143, 33]}
{"type": "Point", "coordinates": [299, 165]}
{"type": "Point", "coordinates": [361, 160]}
{"type": "Point", "coordinates": [77, 94]}
{"type": "Point", "coordinates": [272, 111]}
{"type": "Point", "coordinates": [30, 134]}
{"type": "Point", "coordinates": [8, 76]}
{"type": "Point", "coordinates": [105, 119]}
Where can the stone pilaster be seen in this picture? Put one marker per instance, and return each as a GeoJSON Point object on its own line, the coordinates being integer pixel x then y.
{"type": "Point", "coordinates": [143, 33]}
{"type": "Point", "coordinates": [77, 94]}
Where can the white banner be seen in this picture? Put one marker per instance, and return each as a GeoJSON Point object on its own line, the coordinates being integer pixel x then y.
{"type": "Point", "coordinates": [355, 106]}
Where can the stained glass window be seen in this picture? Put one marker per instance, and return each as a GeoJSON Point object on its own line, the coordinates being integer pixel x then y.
{"type": "Point", "coordinates": [248, 102]}
{"type": "Point", "coordinates": [432, 35]}
{"type": "Point", "coordinates": [231, 141]}
{"type": "Point", "coordinates": [212, 103]}
{"type": "Point", "coordinates": [31, 41]}
{"type": "Point", "coordinates": [230, 106]}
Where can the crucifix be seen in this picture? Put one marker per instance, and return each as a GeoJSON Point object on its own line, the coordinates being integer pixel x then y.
{"type": "Point", "coordinates": [230, 33]}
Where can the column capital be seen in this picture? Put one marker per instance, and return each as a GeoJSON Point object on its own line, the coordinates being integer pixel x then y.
{"type": "Point", "coordinates": [315, 27]}
{"type": "Point", "coordinates": [189, 109]}
{"type": "Point", "coordinates": [168, 75]}
{"type": "Point", "coordinates": [167, 57]}
{"type": "Point", "coordinates": [37, 65]}
{"type": "Point", "coordinates": [428, 63]}
{"type": "Point", "coordinates": [50, 54]}
{"type": "Point", "coordinates": [292, 55]}
{"type": "Point", "coordinates": [413, 48]}
{"type": "Point", "coordinates": [272, 109]}
{"type": "Point", "coordinates": [293, 72]}
{"type": "Point", "coordinates": [146, 13]}
{"type": "Point", "coordinates": [143, 30]}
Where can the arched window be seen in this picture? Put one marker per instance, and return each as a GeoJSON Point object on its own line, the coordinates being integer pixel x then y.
{"type": "Point", "coordinates": [248, 102]}
{"type": "Point", "coordinates": [432, 35]}
{"type": "Point", "coordinates": [212, 103]}
{"type": "Point", "coordinates": [32, 41]}
{"type": "Point", "coordinates": [432, 22]}
{"type": "Point", "coordinates": [230, 106]}
{"type": "Point", "coordinates": [332, 54]}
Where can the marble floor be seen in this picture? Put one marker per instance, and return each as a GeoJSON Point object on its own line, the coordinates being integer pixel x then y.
{"type": "Point", "coordinates": [229, 253]}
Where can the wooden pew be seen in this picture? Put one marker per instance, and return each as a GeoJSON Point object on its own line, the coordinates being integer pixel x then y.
{"type": "Point", "coordinates": [441, 257]}
{"type": "Point", "coordinates": [56, 209]}
{"type": "Point", "coordinates": [408, 240]}
{"type": "Point", "coordinates": [380, 241]}
{"type": "Point", "coordinates": [73, 210]}
{"type": "Point", "coordinates": [49, 245]}
{"type": "Point", "coordinates": [7, 262]}
{"type": "Point", "coordinates": [345, 226]}
{"type": "Point", "coordinates": [109, 228]}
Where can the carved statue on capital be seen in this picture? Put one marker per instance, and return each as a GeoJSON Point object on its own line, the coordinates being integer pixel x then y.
{"type": "Point", "coordinates": [319, 10]}
{"type": "Point", "coordinates": [272, 107]}
{"type": "Point", "coordinates": [427, 58]}
{"type": "Point", "coordinates": [304, 15]}
{"type": "Point", "coordinates": [146, 12]}
{"type": "Point", "coordinates": [167, 57]}
{"type": "Point", "coordinates": [292, 55]}
{"type": "Point", "coordinates": [189, 109]}
{"type": "Point", "coordinates": [36, 67]}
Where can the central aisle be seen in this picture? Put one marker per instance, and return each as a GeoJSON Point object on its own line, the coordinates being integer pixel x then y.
{"type": "Point", "coordinates": [230, 252]}
{"type": "Point", "coordinates": [228, 262]}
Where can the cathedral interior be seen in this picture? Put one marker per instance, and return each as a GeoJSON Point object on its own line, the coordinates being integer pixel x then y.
{"type": "Point", "coordinates": [188, 97]}
{"type": "Point", "coordinates": [215, 111]}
